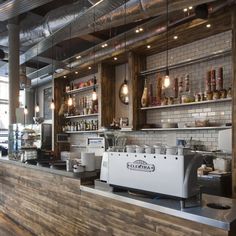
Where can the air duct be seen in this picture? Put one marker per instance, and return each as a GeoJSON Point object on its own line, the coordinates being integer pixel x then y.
{"type": "Point", "coordinates": [58, 18]}
{"type": "Point", "coordinates": [53, 21]}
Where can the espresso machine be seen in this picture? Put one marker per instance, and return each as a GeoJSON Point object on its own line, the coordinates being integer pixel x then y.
{"type": "Point", "coordinates": [172, 175]}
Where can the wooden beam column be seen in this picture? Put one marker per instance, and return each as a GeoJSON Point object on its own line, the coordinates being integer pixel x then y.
{"type": "Point", "coordinates": [136, 63]}
{"type": "Point", "coordinates": [106, 94]}
{"type": "Point", "coordinates": [234, 102]}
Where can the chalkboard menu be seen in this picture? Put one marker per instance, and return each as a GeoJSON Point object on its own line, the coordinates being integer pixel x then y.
{"type": "Point", "coordinates": [47, 98]}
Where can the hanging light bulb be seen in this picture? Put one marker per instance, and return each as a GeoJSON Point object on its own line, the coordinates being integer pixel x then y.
{"type": "Point", "coordinates": [166, 83]}
{"type": "Point", "coordinates": [94, 94]}
{"type": "Point", "coordinates": [70, 101]}
{"type": "Point", "coordinates": [125, 88]}
{"type": "Point", "coordinates": [25, 110]}
{"type": "Point", "coordinates": [36, 108]}
{"type": "Point", "coordinates": [52, 105]}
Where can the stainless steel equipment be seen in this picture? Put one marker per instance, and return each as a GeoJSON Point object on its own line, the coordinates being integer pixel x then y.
{"type": "Point", "coordinates": [172, 175]}
{"type": "Point", "coordinates": [96, 145]}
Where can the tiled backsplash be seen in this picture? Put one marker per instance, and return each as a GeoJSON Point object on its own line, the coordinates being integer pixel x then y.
{"type": "Point", "coordinates": [215, 112]}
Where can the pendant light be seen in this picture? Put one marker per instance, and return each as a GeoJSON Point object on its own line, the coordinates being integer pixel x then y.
{"type": "Point", "coordinates": [70, 100]}
{"type": "Point", "coordinates": [36, 108]}
{"type": "Point", "coordinates": [26, 110]}
{"type": "Point", "coordinates": [52, 105]}
{"type": "Point", "coordinates": [94, 94]}
{"type": "Point", "coordinates": [166, 83]}
{"type": "Point", "coordinates": [125, 88]}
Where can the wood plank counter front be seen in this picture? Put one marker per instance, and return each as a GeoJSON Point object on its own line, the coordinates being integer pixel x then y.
{"type": "Point", "coordinates": [49, 203]}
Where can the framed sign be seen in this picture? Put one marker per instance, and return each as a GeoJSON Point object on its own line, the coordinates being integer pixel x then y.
{"type": "Point", "coordinates": [47, 98]}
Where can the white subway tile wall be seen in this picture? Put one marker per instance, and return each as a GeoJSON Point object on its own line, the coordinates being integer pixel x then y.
{"type": "Point", "coordinates": [219, 113]}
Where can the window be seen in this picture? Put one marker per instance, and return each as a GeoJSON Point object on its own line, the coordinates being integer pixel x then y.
{"type": "Point", "coordinates": [4, 116]}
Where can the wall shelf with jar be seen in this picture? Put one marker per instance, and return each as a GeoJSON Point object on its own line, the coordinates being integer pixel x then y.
{"type": "Point", "coordinates": [80, 90]}
{"type": "Point", "coordinates": [187, 128]}
{"type": "Point", "coordinates": [81, 116]}
{"type": "Point", "coordinates": [187, 104]}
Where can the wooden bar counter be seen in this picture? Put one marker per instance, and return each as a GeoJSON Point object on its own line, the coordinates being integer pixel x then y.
{"type": "Point", "coordinates": [50, 202]}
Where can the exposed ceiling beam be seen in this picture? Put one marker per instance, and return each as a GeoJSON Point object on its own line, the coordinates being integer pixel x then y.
{"type": "Point", "coordinates": [12, 8]}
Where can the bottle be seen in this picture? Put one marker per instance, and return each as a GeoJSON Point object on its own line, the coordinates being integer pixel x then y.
{"type": "Point", "coordinates": [208, 81]}
{"type": "Point", "coordinates": [220, 79]}
{"type": "Point", "coordinates": [187, 88]}
{"type": "Point", "coordinates": [144, 99]}
{"type": "Point", "coordinates": [150, 94]}
{"type": "Point", "coordinates": [213, 80]}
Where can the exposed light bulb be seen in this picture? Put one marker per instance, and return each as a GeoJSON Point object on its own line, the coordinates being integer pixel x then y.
{"type": "Point", "coordinates": [52, 105]}
{"type": "Point", "coordinates": [94, 95]}
{"type": "Point", "coordinates": [37, 108]}
{"type": "Point", "coordinates": [70, 102]}
{"type": "Point", "coordinates": [166, 81]}
{"type": "Point", "coordinates": [125, 88]}
{"type": "Point", "coordinates": [26, 110]}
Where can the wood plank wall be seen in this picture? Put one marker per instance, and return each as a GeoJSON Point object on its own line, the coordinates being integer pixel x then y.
{"type": "Point", "coordinates": [53, 205]}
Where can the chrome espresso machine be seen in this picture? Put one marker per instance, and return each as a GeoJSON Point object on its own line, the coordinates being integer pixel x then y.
{"type": "Point", "coordinates": [172, 175]}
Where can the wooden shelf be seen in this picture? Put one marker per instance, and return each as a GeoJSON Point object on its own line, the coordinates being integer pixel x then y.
{"type": "Point", "coordinates": [83, 131]}
{"type": "Point", "coordinates": [187, 104]}
{"type": "Point", "coordinates": [187, 62]}
{"type": "Point", "coordinates": [81, 116]}
{"type": "Point", "coordinates": [81, 89]}
{"type": "Point", "coordinates": [188, 128]}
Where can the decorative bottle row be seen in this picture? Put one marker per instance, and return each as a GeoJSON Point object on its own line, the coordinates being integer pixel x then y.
{"type": "Point", "coordinates": [83, 125]}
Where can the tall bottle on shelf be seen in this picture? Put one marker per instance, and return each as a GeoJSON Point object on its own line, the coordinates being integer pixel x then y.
{"type": "Point", "coordinates": [144, 99]}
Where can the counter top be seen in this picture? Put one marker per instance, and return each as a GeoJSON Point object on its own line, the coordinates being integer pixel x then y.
{"type": "Point", "coordinates": [49, 170]}
{"type": "Point", "coordinates": [222, 219]}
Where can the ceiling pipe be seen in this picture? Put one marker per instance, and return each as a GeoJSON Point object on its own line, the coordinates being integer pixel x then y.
{"type": "Point", "coordinates": [58, 18]}
{"type": "Point", "coordinates": [116, 45]}
{"type": "Point", "coordinates": [53, 21]}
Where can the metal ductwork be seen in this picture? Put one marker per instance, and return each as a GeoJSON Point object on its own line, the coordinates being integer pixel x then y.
{"type": "Point", "coordinates": [116, 45]}
{"type": "Point", "coordinates": [53, 21]}
{"type": "Point", "coordinates": [58, 18]}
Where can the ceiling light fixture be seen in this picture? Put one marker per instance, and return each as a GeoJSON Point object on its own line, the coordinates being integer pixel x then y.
{"type": "Point", "coordinates": [185, 9]}
{"type": "Point", "coordinates": [125, 88]}
{"type": "Point", "coordinates": [148, 46]}
{"type": "Point", "coordinates": [167, 75]}
{"type": "Point", "coordinates": [94, 94]}
{"type": "Point", "coordinates": [175, 37]}
{"type": "Point", "coordinates": [76, 72]}
{"type": "Point", "coordinates": [36, 108]}
{"type": "Point", "coordinates": [208, 25]}
{"type": "Point", "coordinates": [52, 105]}
{"type": "Point", "coordinates": [89, 67]}
{"type": "Point", "coordinates": [78, 57]}
{"type": "Point", "coordinates": [115, 58]}
{"type": "Point", "coordinates": [190, 8]}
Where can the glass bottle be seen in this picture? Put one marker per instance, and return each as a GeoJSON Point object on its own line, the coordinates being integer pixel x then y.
{"type": "Point", "coordinates": [144, 99]}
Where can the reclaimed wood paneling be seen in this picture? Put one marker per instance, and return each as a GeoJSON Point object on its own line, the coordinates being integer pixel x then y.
{"type": "Point", "coordinates": [53, 205]}
{"type": "Point", "coordinates": [10, 228]}
{"type": "Point", "coordinates": [136, 64]}
{"type": "Point", "coordinates": [43, 203]}
{"type": "Point", "coordinates": [106, 94]}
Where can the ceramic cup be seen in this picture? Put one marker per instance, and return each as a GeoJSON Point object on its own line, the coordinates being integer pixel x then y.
{"type": "Point", "coordinates": [171, 150]}
{"type": "Point", "coordinates": [158, 149]}
{"type": "Point", "coordinates": [149, 150]}
{"type": "Point", "coordinates": [140, 149]}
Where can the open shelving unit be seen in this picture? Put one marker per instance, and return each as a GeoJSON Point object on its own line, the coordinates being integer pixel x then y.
{"type": "Point", "coordinates": [79, 90]}
{"type": "Point", "coordinates": [82, 116]}
{"type": "Point", "coordinates": [188, 128]}
{"type": "Point", "coordinates": [187, 104]}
